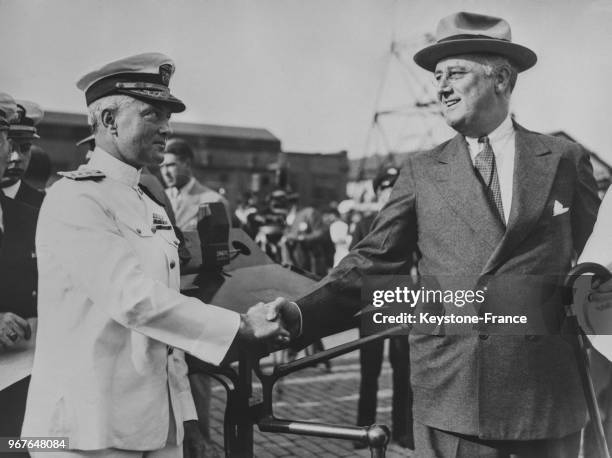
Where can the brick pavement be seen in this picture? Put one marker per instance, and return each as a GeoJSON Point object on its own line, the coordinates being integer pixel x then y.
{"type": "Point", "coordinates": [315, 395]}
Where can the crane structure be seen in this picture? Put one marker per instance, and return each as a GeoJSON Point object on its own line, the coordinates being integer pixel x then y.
{"type": "Point", "coordinates": [406, 117]}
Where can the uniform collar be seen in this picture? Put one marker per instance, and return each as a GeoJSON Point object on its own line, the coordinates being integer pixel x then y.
{"type": "Point", "coordinates": [113, 167]}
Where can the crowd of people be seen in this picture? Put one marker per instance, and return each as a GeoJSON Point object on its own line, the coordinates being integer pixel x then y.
{"type": "Point", "coordinates": [91, 267]}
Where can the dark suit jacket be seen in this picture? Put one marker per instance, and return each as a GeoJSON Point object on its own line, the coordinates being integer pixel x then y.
{"type": "Point", "coordinates": [362, 228]}
{"type": "Point", "coordinates": [496, 387]}
{"type": "Point", "coordinates": [29, 195]}
{"type": "Point", "coordinates": [18, 294]}
{"type": "Point", "coordinates": [18, 274]}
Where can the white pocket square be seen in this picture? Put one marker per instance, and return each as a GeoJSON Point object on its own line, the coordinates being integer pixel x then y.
{"type": "Point", "coordinates": [559, 209]}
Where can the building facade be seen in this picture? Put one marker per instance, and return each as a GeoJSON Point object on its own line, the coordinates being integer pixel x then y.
{"type": "Point", "coordinates": [234, 160]}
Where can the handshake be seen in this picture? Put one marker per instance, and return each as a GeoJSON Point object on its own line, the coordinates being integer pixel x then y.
{"type": "Point", "coordinates": [274, 323]}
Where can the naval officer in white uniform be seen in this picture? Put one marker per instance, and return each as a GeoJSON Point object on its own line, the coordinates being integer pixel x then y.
{"type": "Point", "coordinates": [110, 313]}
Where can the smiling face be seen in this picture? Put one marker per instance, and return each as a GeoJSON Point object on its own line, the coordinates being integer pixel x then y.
{"type": "Point", "coordinates": [141, 133]}
{"type": "Point", "coordinates": [472, 100]}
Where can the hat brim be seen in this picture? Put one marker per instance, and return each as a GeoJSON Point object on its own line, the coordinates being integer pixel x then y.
{"type": "Point", "coordinates": [175, 105]}
{"type": "Point", "coordinates": [523, 58]}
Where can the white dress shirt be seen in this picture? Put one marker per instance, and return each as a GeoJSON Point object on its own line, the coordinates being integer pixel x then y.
{"type": "Point", "coordinates": [502, 140]}
{"type": "Point", "coordinates": [109, 308]}
{"type": "Point", "coordinates": [11, 191]}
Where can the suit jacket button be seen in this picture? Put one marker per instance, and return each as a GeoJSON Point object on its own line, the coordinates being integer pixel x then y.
{"type": "Point", "coordinates": [172, 264]}
{"type": "Point", "coordinates": [154, 230]}
{"type": "Point", "coordinates": [483, 336]}
{"type": "Point", "coordinates": [34, 293]}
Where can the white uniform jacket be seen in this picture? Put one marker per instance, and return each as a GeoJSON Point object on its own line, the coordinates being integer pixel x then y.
{"type": "Point", "coordinates": [109, 308]}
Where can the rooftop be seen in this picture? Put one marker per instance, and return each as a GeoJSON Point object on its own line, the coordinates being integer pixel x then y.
{"type": "Point", "coordinates": [181, 128]}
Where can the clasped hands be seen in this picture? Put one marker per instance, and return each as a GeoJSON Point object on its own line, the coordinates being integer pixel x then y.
{"type": "Point", "coordinates": [274, 323]}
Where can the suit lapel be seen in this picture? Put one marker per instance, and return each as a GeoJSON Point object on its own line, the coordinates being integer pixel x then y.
{"type": "Point", "coordinates": [535, 167]}
{"type": "Point", "coordinates": [457, 182]}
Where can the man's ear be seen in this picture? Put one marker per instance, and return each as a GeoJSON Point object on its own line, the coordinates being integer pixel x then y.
{"type": "Point", "coordinates": [108, 121]}
{"type": "Point", "coordinates": [502, 80]}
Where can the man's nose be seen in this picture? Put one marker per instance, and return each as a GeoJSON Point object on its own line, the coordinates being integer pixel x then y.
{"type": "Point", "coordinates": [444, 89]}
{"type": "Point", "coordinates": [13, 156]}
{"type": "Point", "coordinates": [166, 129]}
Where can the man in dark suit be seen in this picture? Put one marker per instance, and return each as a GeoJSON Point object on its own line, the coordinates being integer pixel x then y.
{"type": "Point", "coordinates": [494, 209]}
{"type": "Point", "coordinates": [22, 133]}
{"type": "Point", "coordinates": [18, 281]}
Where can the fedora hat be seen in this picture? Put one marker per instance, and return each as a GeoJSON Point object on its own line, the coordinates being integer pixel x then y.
{"type": "Point", "coordinates": [466, 33]}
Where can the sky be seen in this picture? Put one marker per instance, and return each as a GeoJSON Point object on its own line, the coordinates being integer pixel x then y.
{"type": "Point", "coordinates": [309, 71]}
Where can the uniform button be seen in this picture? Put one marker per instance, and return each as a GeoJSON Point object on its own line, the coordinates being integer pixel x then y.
{"type": "Point", "coordinates": [172, 264]}
{"type": "Point", "coordinates": [485, 288]}
{"type": "Point", "coordinates": [154, 230]}
{"type": "Point", "coordinates": [483, 336]}
{"type": "Point", "coordinates": [138, 231]}
{"type": "Point", "coordinates": [34, 293]}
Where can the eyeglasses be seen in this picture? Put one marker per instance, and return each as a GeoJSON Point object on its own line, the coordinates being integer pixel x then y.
{"type": "Point", "coordinates": [452, 75]}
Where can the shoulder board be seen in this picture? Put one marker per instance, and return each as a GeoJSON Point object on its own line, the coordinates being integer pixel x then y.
{"type": "Point", "coordinates": [83, 174]}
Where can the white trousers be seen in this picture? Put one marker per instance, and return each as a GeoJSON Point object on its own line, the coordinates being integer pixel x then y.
{"type": "Point", "coordinates": [169, 451]}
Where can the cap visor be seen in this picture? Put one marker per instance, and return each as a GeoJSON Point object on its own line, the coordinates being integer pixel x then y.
{"type": "Point", "coordinates": [427, 58]}
{"type": "Point", "coordinates": [175, 105]}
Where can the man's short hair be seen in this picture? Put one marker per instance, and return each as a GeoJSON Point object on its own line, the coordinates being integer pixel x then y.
{"type": "Point", "coordinates": [110, 102]}
{"type": "Point", "coordinates": [180, 148]}
{"type": "Point", "coordinates": [494, 63]}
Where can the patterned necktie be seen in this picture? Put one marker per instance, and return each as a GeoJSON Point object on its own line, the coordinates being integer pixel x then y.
{"type": "Point", "coordinates": [485, 164]}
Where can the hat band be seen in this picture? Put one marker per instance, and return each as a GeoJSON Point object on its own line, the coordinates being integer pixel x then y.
{"type": "Point", "coordinates": [116, 84]}
{"type": "Point", "coordinates": [144, 86]}
{"type": "Point", "coordinates": [21, 130]}
{"type": "Point", "coordinates": [468, 36]}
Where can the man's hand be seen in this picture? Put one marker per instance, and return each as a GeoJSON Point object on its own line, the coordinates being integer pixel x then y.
{"type": "Point", "coordinates": [256, 325]}
{"type": "Point", "coordinates": [289, 314]}
{"type": "Point", "coordinates": [599, 322]}
{"type": "Point", "coordinates": [13, 329]}
{"type": "Point", "coordinates": [601, 293]}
